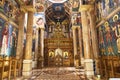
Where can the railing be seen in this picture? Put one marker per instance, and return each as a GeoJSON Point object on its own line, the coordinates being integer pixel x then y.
{"type": "Point", "coordinates": [10, 68]}
{"type": "Point", "coordinates": [110, 67]}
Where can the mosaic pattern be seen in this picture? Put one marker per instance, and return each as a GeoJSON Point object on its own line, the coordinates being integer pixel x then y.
{"type": "Point", "coordinates": [68, 73]}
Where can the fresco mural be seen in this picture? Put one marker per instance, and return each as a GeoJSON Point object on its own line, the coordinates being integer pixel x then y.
{"type": "Point", "coordinates": [76, 19]}
{"type": "Point", "coordinates": [12, 41]}
{"type": "Point", "coordinates": [5, 34]}
{"type": "Point", "coordinates": [39, 20]}
{"type": "Point", "coordinates": [10, 9]}
{"type": "Point", "coordinates": [105, 7]}
{"type": "Point", "coordinates": [39, 5]}
{"type": "Point", "coordinates": [2, 22]}
{"type": "Point", "coordinates": [47, 4]}
{"type": "Point", "coordinates": [8, 33]}
{"type": "Point", "coordinates": [68, 3]}
{"type": "Point", "coordinates": [109, 36]}
{"type": "Point", "coordinates": [28, 2]}
{"type": "Point", "coordinates": [1, 1]}
{"type": "Point", "coordinates": [14, 38]}
{"type": "Point", "coordinates": [75, 5]}
{"type": "Point", "coordinates": [8, 42]}
{"type": "Point", "coordinates": [6, 7]}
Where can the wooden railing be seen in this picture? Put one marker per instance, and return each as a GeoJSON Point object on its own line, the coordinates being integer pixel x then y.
{"type": "Point", "coordinates": [110, 67]}
{"type": "Point", "coordinates": [4, 68]}
{"type": "Point", "coordinates": [10, 68]}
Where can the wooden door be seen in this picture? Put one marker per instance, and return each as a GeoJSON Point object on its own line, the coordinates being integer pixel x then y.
{"type": "Point", "coordinates": [58, 61]}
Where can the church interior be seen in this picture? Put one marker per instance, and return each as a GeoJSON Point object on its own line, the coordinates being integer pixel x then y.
{"type": "Point", "coordinates": [59, 39]}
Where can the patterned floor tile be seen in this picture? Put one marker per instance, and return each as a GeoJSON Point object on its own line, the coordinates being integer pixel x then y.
{"type": "Point", "coordinates": [67, 73]}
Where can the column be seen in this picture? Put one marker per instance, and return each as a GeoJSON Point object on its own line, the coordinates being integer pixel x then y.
{"type": "Point", "coordinates": [27, 63]}
{"type": "Point", "coordinates": [42, 46]}
{"type": "Point", "coordinates": [94, 37]}
{"type": "Point", "coordinates": [74, 44]}
{"type": "Point", "coordinates": [88, 62]}
{"type": "Point", "coordinates": [19, 52]}
{"type": "Point", "coordinates": [80, 46]}
{"type": "Point", "coordinates": [36, 50]}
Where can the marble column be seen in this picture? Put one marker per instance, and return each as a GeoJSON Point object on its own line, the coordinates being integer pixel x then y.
{"type": "Point", "coordinates": [42, 45]}
{"type": "Point", "coordinates": [19, 52]}
{"type": "Point", "coordinates": [94, 37]}
{"type": "Point", "coordinates": [27, 62]}
{"type": "Point", "coordinates": [74, 44]}
{"type": "Point", "coordinates": [80, 46]}
{"type": "Point", "coordinates": [88, 62]}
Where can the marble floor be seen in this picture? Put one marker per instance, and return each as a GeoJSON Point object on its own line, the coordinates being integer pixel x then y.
{"type": "Point", "coordinates": [58, 73]}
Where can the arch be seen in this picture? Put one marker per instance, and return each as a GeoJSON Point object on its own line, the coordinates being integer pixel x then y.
{"type": "Point", "coordinates": [58, 51]}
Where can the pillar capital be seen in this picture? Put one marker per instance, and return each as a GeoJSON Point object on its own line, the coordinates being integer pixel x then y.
{"type": "Point", "coordinates": [86, 7]}
{"type": "Point", "coordinates": [42, 28]}
{"type": "Point", "coordinates": [74, 27]}
{"type": "Point", "coordinates": [27, 8]}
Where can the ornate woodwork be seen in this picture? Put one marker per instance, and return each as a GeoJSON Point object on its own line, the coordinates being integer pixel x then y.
{"type": "Point", "coordinates": [110, 67]}
{"type": "Point", "coordinates": [58, 56]}
{"type": "Point", "coordinates": [10, 68]}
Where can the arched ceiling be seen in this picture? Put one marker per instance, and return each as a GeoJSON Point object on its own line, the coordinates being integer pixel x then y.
{"type": "Point", "coordinates": [57, 12]}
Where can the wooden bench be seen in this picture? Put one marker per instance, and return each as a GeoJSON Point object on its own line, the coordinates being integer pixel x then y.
{"type": "Point", "coordinates": [10, 68]}
{"type": "Point", "coordinates": [5, 68]}
{"type": "Point", "coordinates": [16, 67]}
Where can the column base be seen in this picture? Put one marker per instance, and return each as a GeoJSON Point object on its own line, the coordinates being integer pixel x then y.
{"type": "Point", "coordinates": [76, 63]}
{"type": "Point", "coordinates": [82, 62]}
{"type": "Point", "coordinates": [42, 64]}
{"type": "Point", "coordinates": [19, 78]}
{"type": "Point", "coordinates": [89, 71]}
{"type": "Point", "coordinates": [34, 64]}
{"type": "Point", "coordinates": [97, 70]}
{"type": "Point", "coordinates": [27, 68]}
{"type": "Point", "coordinates": [89, 74]}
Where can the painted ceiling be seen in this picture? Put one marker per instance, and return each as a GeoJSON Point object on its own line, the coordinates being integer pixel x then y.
{"type": "Point", "coordinates": [57, 1]}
